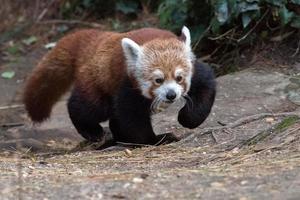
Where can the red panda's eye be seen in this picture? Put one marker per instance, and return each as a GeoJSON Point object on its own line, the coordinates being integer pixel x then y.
{"type": "Point", "coordinates": [159, 80]}
{"type": "Point", "coordinates": [179, 79]}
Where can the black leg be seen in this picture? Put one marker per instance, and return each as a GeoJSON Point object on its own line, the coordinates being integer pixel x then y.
{"type": "Point", "coordinates": [86, 115]}
{"type": "Point", "coordinates": [131, 121]}
{"type": "Point", "coordinates": [201, 97]}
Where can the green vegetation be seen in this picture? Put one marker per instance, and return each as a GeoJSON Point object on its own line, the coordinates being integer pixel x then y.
{"type": "Point", "coordinates": [278, 128]}
{"type": "Point", "coordinates": [218, 27]}
{"type": "Point", "coordinates": [221, 29]}
{"type": "Point", "coordinates": [287, 122]}
{"type": "Point", "coordinates": [218, 18]}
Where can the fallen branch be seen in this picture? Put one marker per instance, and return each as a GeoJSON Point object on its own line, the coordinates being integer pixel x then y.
{"type": "Point", "coordinates": [211, 131]}
{"type": "Point", "coordinates": [252, 118]}
{"type": "Point", "coordinates": [10, 125]}
{"type": "Point", "coordinates": [252, 29]}
{"type": "Point", "coordinates": [297, 50]}
{"type": "Point", "coordinates": [10, 107]}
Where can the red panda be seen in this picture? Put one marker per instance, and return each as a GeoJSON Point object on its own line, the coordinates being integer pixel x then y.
{"type": "Point", "coordinates": [123, 78]}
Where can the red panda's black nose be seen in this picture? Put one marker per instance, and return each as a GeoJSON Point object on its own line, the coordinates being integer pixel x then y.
{"type": "Point", "coordinates": [171, 95]}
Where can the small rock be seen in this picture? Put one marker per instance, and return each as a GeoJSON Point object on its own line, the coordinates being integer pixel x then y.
{"type": "Point", "coordinates": [270, 119]}
{"type": "Point", "coordinates": [96, 196]}
{"type": "Point", "coordinates": [144, 176]}
{"type": "Point", "coordinates": [217, 184]}
{"type": "Point", "coordinates": [78, 172]}
{"type": "Point", "coordinates": [235, 150]}
{"type": "Point", "coordinates": [137, 180]}
{"type": "Point", "coordinates": [244, 182]}
{"type": "Point", "coordinates": [128, 152]}
{"type": "Point", "coordinates": [31, 167]}
{"type": "Point", "coordinates": [126, 185]}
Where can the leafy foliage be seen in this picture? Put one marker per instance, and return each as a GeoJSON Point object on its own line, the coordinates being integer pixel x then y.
{"type": "Point", "coordinates": [99, 8]}
{"type": "Point", "coordinates": [173, 13]}
{"type": "Point", "coordinates": [217, 26]}
{"type": "Point", "coordinates": [226, 14]}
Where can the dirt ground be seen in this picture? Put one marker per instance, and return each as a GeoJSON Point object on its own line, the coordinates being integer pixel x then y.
{"type": "Point", "coordinates": [249, 147]}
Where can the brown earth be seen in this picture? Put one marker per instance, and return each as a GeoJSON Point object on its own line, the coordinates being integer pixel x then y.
{"type": "Point", "coordinates": [255, 155]}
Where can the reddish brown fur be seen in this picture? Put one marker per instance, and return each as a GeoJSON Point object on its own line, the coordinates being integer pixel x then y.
{"type": "Point", "coordinates": [167, 57]}
{"type": "Point", "coordinates": [93, 60]}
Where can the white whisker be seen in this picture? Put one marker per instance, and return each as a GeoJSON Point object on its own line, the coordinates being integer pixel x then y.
{"type": "Point", "coordinates": [189, 102]}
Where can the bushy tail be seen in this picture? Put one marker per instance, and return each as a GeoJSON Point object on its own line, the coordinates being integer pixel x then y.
{"type": "Point", "coordinates": [48, 82]}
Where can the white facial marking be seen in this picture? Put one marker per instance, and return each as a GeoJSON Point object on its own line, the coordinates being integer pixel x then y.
{"type": "Point", "coordinates": [178, 71]}
{"type": "Point", "coordinates": [188, 81]}
{"type": "Point", "coordinates": [145, 87]}
{"type": "Point", "coordinates": [187, 77]}
{"type": "Point", "coordinates": [186, 32]}
{"type": "Point", "coordinates": [161, 92]}
{"type": "Point", "coordinates": [132, 52]}
{"type": "Point", "coordinates": [139, 64]}
{"type": "Point", "coordinates": [158, 73]}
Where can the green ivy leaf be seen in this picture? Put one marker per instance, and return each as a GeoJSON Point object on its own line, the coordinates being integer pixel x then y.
{"type": "Point", "coordinates": [30, 40]}
{"type": "Point", "coordinates": [222, 11]}
{"type": "Point", "coordinates": [285, 15]}
{"type": "Point", "coordinates": [8, 74]}
{"type": "Point", "coordinates": [246, 19]}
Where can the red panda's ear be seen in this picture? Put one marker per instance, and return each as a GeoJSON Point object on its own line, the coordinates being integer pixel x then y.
{"type": "Point", "coordinates": [186, 36]}
{"type": "Point", "coordinates": [131, 50]}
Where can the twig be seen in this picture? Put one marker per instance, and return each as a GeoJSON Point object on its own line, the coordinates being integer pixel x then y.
{"type": "Point", "coordinates": [252, 118]}
{"type": "Point", "coordinates": [200, 38]}
{"type": "Point", "coordinates": [291, 131]}
{"type": "Point", "coordinates": [142, 145]}
{"type": "Point", "coordinates": [279, 38]}
{"type": "Point", "coordinates": [207, 57]}
{"type": "Point", "coordinates": [159, 142]}
{"type": "Point", "coordinates": [10, 107]}
{"type": "Point", "coordinates": [214, 137]}
{"type": "Point", "coordinates": [44, 12]}
{"type": "Point", "coordinates": [9, 125]}
{"type": "Point", "coordinates": [71, 22]}
{"type": "Point", "coordinates": [243, 121]}
{"type": "Point", "coordinates": [297, 50]}
{"type": "Point", "coordinates": [134, 144]}
{"type": "Point", "coordinates": [253, 28]}
{"type": "Point", "coordinates": [222, 35]}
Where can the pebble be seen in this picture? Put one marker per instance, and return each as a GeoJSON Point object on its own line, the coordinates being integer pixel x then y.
{"type": "Point", "coordinates": [137, 180]}
{"type": "Point", "coordinates": [128, 152]}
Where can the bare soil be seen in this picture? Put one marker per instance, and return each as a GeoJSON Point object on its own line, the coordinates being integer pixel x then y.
{"type": "Point", "coordinates": [249, 147]}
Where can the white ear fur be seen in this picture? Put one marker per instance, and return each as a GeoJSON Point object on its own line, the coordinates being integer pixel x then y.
{"type": "Point", "coordinates": [131, 51]}
{"type": "Point", "coordinates": [186, 32]}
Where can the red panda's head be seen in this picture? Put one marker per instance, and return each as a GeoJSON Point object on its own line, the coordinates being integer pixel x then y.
{"type": "Point", "coordinates": [162, 68]}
